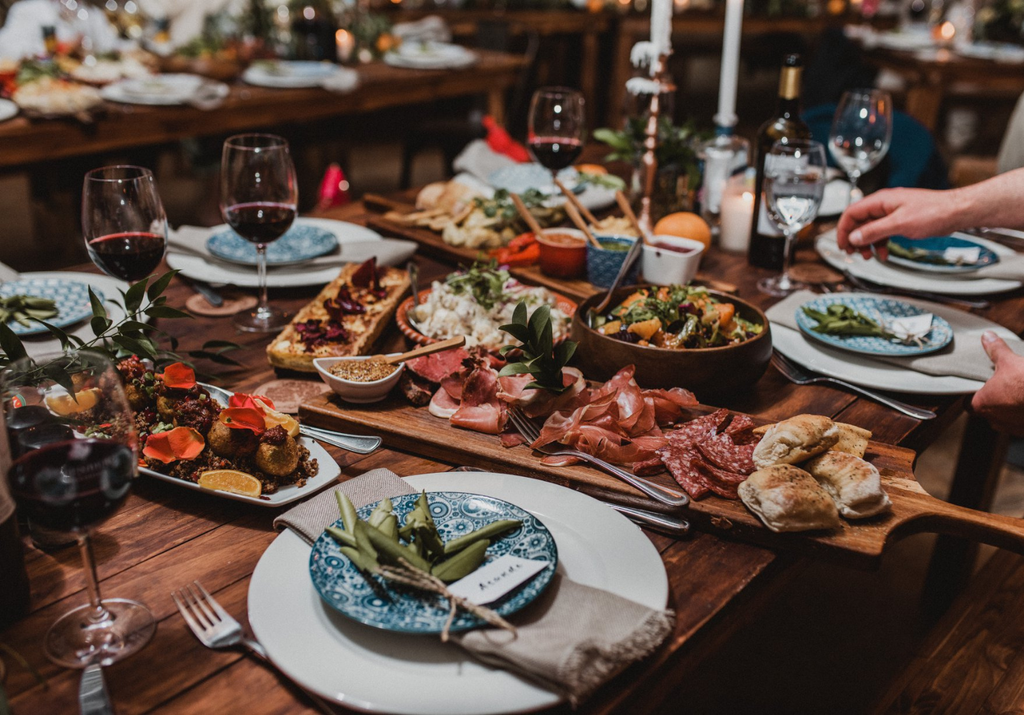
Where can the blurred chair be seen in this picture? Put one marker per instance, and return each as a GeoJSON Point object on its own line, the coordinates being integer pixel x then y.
{"type": "Point", "coordinates": [913, 159]}
{"type": "Point", "coordinates": [451, 134]}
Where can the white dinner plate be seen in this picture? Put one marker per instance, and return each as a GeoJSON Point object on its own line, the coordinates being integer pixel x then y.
{"type": "Point", "coordinates": [877, 272]}
{"type": "Point", "coordinates": [430, 56]}
{"type": "Point", "coordinates": [366, 669]}
{"type": "Point", "coordinates": [41, 344]}
{"type": "Point", "coordinates": [8, 109]}
{"type": "Point", "coordinates": [164, 90]}
{"type": "Point", "coordinates": [866, 372]}
{"type": "Point", "coordinates": [289, 74]}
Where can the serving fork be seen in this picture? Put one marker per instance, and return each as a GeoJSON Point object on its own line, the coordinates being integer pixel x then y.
{"type": "Point", "coordinates": [216, 629]}
{"type": "Point", "coordinates": [798, 375]}
{"type": "Point", "coordinates": [525, 426]}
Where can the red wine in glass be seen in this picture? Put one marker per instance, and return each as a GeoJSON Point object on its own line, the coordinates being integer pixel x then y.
{"type": "Point", "coordinates": [72, 485]}
{"type": "Point", "coordinates": [556, 153]}
{"type": "Point", "coordinates": [131, 255]}
{"type": "Point", "coordinates": [260, 221]}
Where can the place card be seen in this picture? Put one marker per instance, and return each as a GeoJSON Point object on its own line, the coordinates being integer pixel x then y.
{"type": "Point", "coordinates": [493, 580]}
{"type": "Point", "coordinates": [966, 255]}
{"type": "Point", "coordinates": [911, 326]}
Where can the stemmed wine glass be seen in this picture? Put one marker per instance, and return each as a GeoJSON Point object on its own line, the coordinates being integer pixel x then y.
{"type": "Point", "coordinates": [861, 132]}
{"type": "Point", "coordinates": [794, 183]}
{"type": "Point", "coordinates": [76, 459]}
{"type": "Point", "coordinates": [556, 127]}
{"type": "Point", "coordinates": [259, 197]}
{"type": "Point", "coordinates": [123, 221]}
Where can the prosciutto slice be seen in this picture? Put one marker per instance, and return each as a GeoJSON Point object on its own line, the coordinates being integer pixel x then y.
{"type": "Point", "coordinates": [437, 366]}
{"type": "Point", "coordinates": [479, 407]}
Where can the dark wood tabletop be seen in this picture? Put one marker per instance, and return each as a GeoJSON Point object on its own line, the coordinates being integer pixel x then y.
{"type": "Point", "coordinates": [121, 126]}
{"type": "Point", "coordinates": [166, 536]}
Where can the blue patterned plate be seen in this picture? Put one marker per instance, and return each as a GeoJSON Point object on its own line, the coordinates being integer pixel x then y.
{"type": "Point", "coordinates": [71, 297]}
{"type": "Point", "coordinates": [930, 262]}
{"type": "Point", "coordinates": [405, 610]}
{"type": "Point", "coordinates": [301, 243]}
{"type": "Point", "coordinates": [882, 311]}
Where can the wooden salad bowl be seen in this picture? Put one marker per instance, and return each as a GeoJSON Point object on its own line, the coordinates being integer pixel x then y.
{"type": "Point", "coordinates": [704, 371]}
{"type": "Point", "coordinates": [402, 316]}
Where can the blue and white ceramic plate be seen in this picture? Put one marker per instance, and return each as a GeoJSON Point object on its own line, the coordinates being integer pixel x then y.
{"type": "Point", "coordinates": [404, 610]}
{"type": "Point", "coordinates": [882, 311]}
{"type": "Point", "coordinates": [71, 298]}
{"type": "Point", "coordinates": [935, 247]}
{"type": "Point", "coordinates": [301, 243]}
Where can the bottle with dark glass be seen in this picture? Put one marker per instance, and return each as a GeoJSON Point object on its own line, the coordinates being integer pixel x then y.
{"type": "Point", "coordinates": [14, 588]}
{"type": "Point", "coordinates": [313, 31]}
{"type": "Point", "coordinates": [767, 245]}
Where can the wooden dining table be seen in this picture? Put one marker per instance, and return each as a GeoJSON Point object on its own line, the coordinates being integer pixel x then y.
{"type": "Point", "coordinates": [165, 537]}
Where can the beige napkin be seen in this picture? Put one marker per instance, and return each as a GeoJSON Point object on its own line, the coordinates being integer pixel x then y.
{"type": "Point", "coordinates": [570, 640]}
{"type": "Point", "coordinates": [964, 357]}
{"type": "Point", "coordinates": [1009, 267]}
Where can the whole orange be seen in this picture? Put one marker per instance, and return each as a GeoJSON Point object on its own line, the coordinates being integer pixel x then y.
{"type": "Point", "coordinates": [684, 224]}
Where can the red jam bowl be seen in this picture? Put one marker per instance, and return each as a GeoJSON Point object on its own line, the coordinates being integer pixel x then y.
{"type": "Point", "coordinates": [563, 252]}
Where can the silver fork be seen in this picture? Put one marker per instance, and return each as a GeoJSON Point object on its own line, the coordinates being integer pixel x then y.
{"type": "Point", "coordinates": [798, 375]}
{"type": "Point", "coordinates": [216, 628]}
{"type": "Point", "coordinates": [529, 431]}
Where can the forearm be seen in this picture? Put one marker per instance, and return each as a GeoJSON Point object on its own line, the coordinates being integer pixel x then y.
{"type": "Point", "coordinates": [996, 202]}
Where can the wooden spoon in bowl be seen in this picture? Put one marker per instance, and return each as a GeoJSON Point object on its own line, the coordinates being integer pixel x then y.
{"type": "Point", "coordinates": [456, 342]}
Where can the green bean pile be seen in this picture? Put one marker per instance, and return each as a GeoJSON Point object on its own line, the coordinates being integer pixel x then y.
{"type": "Point", "coordinates": [26, 308]}
{"type": "Point", "coordinates": [379, 540]}
{"type": "Point", "coordinates": [842, 320]}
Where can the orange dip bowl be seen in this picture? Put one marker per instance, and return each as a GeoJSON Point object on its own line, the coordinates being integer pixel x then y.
{"type": "Point", "coordinates": [563, 252]}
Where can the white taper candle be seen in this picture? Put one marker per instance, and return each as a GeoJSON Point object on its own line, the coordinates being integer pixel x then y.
{"type": "Point", "coordinates": [730, 64]}
{"type": "Point", "coordinates": [661, 26]}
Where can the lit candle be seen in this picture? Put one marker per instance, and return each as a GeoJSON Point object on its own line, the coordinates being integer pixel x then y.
{"type": "Point", "coordinates": [737, 215]}
{"type": "Point", "coordinates": [726, 116]}
{"type": "Point", "coordinates": [661, 26]}
{"type": "Point", "coordinates": [346, 43]}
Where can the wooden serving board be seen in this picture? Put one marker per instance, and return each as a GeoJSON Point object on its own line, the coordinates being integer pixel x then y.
{"type": "Point", "coordinates": [860, 543]}
{"type": "Point", "coordinates": [433, 245]}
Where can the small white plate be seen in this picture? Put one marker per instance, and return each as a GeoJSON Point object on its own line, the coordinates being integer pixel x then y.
{"type": "Point", "coordinates": [430, 55]}
{"type": "Point", "coordinates": [289, 74]}
{"type": "Point", "coordinates": [366, 669]}
{"type": "Point", "coordinates": [8, 110]}
{"type": "Point", "coordinates": [875, 271]}
{"type": "Point", "coordinates": [164, 90]}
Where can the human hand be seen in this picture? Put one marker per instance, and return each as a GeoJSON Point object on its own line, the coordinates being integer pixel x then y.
{"type": "Point", "coordinates": [1001, 400]}
{"type": "Point", "coordinates": [914, 213]}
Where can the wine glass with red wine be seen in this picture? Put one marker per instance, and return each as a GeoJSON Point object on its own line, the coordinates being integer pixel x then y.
{"type": "Point", "coordinates": [76, 461]}
{"type": "Point", "coordinates": [258, 198]}
{"type": "Point", "coordinates": [123, 221]}
{"type": "Point", "coordinates": [556, 127]}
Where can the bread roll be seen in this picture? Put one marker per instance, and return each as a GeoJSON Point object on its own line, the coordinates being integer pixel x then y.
{"type": "Point", "coordinates": [787, 498]}
{"type": "Point", "coordinates": [852, 440]}
{"type": "Point", "coordinates": [794, 440]}
{"type": "Point", "coordinates": [854, 485]}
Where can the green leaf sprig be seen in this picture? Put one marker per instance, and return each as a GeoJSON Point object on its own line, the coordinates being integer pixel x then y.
{"type": "Point", "coordinates": [484, 281]}
{"type": "Point", "coordinates": [540, 356]}
{"type": "Point", "coordinates": [678, 145]}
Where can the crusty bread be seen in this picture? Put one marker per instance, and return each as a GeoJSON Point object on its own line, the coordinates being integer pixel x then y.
{"type": "Point", "coordinates": [852, 439]}
{"type": "Point", "coordinates": [854, 485]}
{"type": "Point", "coordinates": [289, 352]}
{"type": "Point", "coordinates": [786, 498]}
{"type": "Point", "coordinates": [794, 440]}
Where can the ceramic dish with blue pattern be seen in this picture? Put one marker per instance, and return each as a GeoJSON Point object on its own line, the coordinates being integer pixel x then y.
{"type": "Point", "coordinates": [927, 254]}
{"type": "Point", "coordinates": [392, 607]}
{"type": "Point", "coordinates": [882, 311]}
{"type": "Point", "coordinates": [301, 243]}
{"type": "Point", "coordinates": [71, 299]}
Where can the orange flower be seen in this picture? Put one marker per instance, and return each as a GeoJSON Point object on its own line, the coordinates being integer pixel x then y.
{"type": "Point", "coordinates": [180, 443]}
{"type": "Point", "coordinates": [240, 399]}
{"type": "Point", "coordinates": [243, 418]}
{"type": "Point", "coordinates": [179, 376]}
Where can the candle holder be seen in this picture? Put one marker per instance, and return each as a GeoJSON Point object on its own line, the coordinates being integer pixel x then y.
{"type": "Point", "coordinates": [659, 82]}
{"type": "Point", "coordinates": [723, 156]}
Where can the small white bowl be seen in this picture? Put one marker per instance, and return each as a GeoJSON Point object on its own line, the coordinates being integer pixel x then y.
{"type": "Point", "coordinates": [351, 390]}
{"type": "Point", "coordinates": [663, 266]}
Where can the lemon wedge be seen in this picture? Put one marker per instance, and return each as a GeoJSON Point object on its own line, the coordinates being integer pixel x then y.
{"type": "Point", "coordinates": [65, 404]}
{"type": "Point", "coordinates": [273, 418]}
{"type": "Point", "coordinates": [231, 480]}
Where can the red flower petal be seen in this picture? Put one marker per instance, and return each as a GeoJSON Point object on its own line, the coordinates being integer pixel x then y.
{"type": "Point", "coordinates": [180, 443]}
{"type": "Point", "coordinates": [240, 399]}
{"type": "Point", "coordinates": [179, 376]}
{"type": "Point", "coordinates": [243, 418]}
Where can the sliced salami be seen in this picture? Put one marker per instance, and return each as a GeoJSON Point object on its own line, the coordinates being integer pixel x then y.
{"type": "Point", "coordinates": [684, 466]}
{"type": "Point", "coordinates": [696, 431]}
{"type": "Point", "coordinates": [722, 452]}
{"type": "Point", "coordinates": [647, 467]}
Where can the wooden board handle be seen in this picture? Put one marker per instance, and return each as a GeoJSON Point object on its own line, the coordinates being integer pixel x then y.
{"type": "Point", "coordinates": [1003, 531]}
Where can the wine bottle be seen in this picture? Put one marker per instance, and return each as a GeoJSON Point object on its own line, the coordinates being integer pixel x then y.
{"type": "Point", "coordinates": [14, 593]}
{"type": "Point", "coordinates": [767, 245]}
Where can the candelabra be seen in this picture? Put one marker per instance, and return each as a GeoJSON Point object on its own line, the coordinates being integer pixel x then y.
{"type": "Point", "coordinates": [658, 83]}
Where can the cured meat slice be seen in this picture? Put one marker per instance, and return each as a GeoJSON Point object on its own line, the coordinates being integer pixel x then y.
{"type": "Point", "coordinates": [722, 452]}
{"type": "Point", "coordinates": [741, 429]}
{"type": "Point", "coordinates": [647, 467]}
{"type": "Point", "coordinates": [438, 366]}
{"type": "Point", "coordinates": [512, 439]}
{"type": "Point", "coordinates": [696, 431]}
{"type": "Point", "coordinates": [416, 389]}
{"type": "Point", "coordinates": [443, 405]}
{"type": "Point", "coordinates": [684, 466]}
{"type": "Point", "coordinates": [724, 484]}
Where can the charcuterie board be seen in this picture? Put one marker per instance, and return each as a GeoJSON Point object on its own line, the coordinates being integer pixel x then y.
{"type": "Point", "coordinates": [856, 543]}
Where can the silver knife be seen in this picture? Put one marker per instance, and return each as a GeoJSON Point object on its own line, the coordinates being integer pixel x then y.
{"type": "Point", "coordinates": [93, 698]}
{"type": "Point", "coordinates": [204, 289]}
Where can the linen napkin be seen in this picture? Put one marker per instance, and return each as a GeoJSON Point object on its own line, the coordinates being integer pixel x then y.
{"type": "Point", "coordinates": [570, 640]}
{"type": "Point", "coordinates": [1009, 267]}
{"type": "Point", "coordinates": [963, 357]}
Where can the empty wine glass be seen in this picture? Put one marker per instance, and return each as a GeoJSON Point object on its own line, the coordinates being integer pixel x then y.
{"type": "Point", "coordinates": [861, 132]}
{"type": "Point", "coordinates": [259, 197]}
{"type": "Point", "coordinates": [123, 221]}
{"type": "Point", "coordinates": [556, 127]}
{"type": "Point", "coordinates": [76, 462]}
{"type": "Point", "coordinates": [794, 183]}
